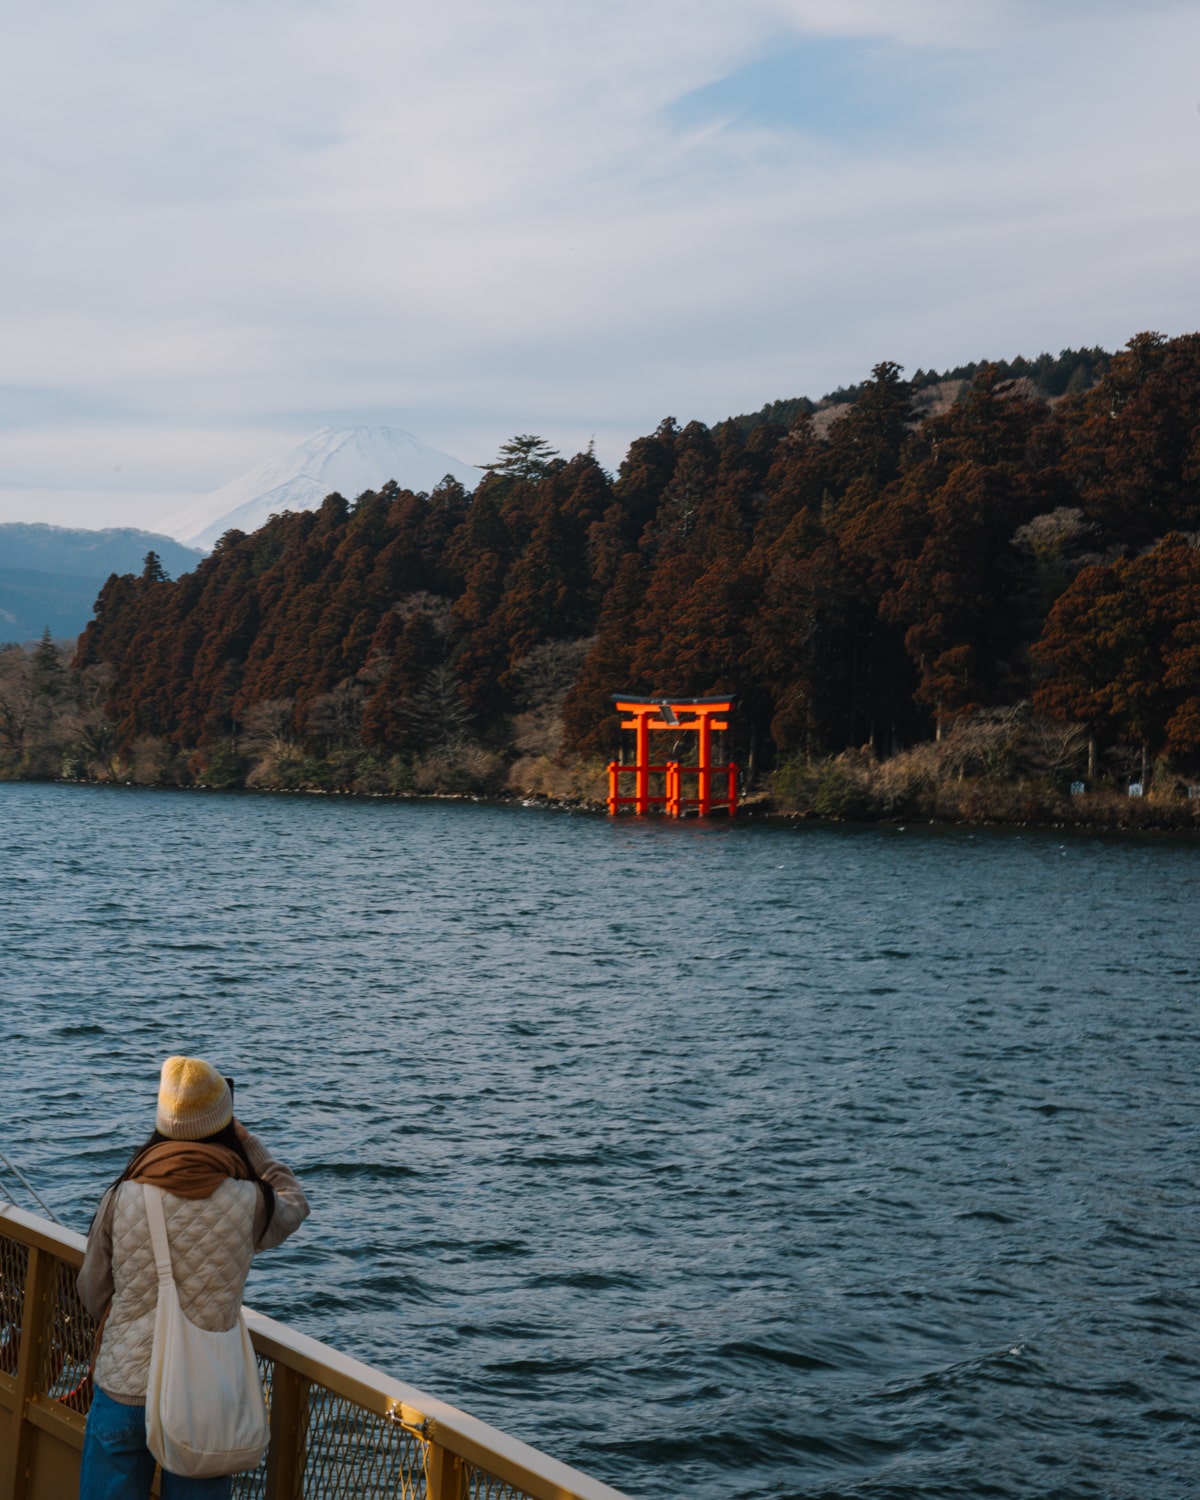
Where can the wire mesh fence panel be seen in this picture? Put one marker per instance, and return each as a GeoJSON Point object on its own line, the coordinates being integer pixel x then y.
{"type": "Point", "coordinates": [484, 1486]}
{"type": "Point", "coordinates": [326, 1445]}
{"type": "Point", "coordinates": [252, 1485]}
{"type": "Point", "coordinates": [14, 1266]}
{"type": "Point", "coordinates": [351, 1454]}
{"type": "Point", "coordinates": [67, 1351]}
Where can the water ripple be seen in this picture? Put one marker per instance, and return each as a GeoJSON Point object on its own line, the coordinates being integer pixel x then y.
{"type": "Point", "coordinates": [721, 1161]}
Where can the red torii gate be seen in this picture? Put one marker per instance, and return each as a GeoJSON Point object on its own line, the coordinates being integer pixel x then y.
{"type": "Point", "coordinates": [699, 715]}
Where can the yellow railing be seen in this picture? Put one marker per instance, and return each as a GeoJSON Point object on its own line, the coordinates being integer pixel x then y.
{"type": "Point", "coordinates": [338, 1427]}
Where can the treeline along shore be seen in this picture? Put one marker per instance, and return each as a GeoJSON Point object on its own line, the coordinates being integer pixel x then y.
{"type": "Point", "coordinates": [973, 596]}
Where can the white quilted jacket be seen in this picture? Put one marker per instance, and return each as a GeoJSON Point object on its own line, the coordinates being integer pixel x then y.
{"type": "Point", "coordinates": [212, 1240]}
{"type": "Point", "coordinates": [211, 1251]}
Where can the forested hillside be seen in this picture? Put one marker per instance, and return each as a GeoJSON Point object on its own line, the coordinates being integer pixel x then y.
{"type": "Point", "coordinates": [1009, 561]}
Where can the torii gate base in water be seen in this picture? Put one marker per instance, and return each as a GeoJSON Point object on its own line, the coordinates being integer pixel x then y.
{"type": "Point", "coordinates": [716, 785]}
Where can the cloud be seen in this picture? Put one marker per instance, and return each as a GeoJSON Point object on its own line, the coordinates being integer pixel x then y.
{"type": "Point", "coordinates": [916, 23]}
{"type": "Point", "coordinates": [242, 218]}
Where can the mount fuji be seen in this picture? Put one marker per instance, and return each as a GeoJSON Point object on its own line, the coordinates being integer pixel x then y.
{"type": "Point", "coordinates": [346, 459]}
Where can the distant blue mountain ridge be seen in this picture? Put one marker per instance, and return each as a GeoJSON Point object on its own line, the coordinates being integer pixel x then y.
{"type": "Point", "coordinates": [50, 575]}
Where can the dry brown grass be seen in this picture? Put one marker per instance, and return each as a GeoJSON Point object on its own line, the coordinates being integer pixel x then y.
{"type": "Point", "coordinates": [1001, 766]}
{"type": "Point", "coordinates": [466, 769]}
{"type": "Point", "coordinates": [577, 782]}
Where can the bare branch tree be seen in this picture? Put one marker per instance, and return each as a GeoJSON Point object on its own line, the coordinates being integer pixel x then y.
{"type": "Point", "coordinates": [335, 719]}
{"type": "Point", "coordinates": [269, 727]}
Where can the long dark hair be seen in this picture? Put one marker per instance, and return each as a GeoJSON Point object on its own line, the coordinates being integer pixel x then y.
{"type": "Point", "coordinates": [226, 1136]}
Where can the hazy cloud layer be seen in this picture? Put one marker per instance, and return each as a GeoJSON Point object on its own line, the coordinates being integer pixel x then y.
{"type": "Point", "coordinates": [232, 223]}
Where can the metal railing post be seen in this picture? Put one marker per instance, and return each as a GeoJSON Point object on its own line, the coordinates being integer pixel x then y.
{"type": "Point", "coordinates": [289, 1425]}
{"type": "Point", "coordinates": [445, 1477]}
{"type": "Point", "coordinates": [39, 1289]}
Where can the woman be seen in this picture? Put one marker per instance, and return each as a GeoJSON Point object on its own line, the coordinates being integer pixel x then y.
{"type": "Point", "coordinates": [225, 1198]}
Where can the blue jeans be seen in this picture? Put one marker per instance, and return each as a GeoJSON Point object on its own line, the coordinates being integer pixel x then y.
{"type": "Point", "coordinates": [117, 1465]}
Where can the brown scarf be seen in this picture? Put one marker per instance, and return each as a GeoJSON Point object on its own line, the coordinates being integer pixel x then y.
{"type": "Point", "coordinates": [188, 1169]}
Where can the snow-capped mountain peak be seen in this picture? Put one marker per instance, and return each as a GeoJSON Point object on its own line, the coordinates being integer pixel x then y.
{"type": "Point", "coordinates": [346, 459]}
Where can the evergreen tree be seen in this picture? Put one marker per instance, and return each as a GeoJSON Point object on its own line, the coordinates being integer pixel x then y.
{"type": "Point", "coordinates": [48, 671]}
{"type": "Point", "coordinates": [525, 456]}
{"type": "Point", "coordinates": [867, 442]}
{"type": "Point", "coordinates": [1121, 650]}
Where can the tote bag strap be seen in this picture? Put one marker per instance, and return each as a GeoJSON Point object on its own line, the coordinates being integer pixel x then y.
{"type": "Point", "coordinates": [157, 1220]}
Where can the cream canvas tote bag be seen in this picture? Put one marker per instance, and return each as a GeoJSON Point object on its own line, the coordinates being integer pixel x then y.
{"type": "Point", "coordinates": [205, 1412]}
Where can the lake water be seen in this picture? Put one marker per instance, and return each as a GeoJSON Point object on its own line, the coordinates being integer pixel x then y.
{"type": "Point", "coordinates": [720, 1161]}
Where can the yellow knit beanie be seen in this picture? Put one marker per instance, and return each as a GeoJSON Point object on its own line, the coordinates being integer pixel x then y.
{"type": "Point", "coordinates": [193, 1100]}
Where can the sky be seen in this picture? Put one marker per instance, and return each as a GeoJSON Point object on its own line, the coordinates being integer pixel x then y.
{"type": "Point", "coordinates": [227, 225]}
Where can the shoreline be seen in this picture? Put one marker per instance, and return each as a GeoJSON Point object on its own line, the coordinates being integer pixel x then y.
{"type": "Point", "coordinates": [1105, 811]}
